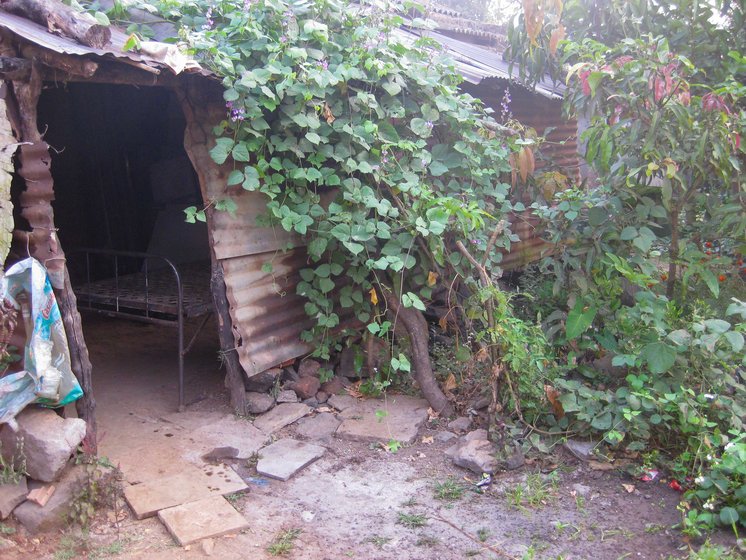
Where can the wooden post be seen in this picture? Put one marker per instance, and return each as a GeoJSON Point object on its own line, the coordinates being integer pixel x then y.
{"type": "Point", "coordinates": [199, 111]}
{"type": "Point", "coordinates": [43, 245]}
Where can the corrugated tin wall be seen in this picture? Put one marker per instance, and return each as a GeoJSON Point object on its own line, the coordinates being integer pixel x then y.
{"type": "Point", "coordinates": [266, 313]}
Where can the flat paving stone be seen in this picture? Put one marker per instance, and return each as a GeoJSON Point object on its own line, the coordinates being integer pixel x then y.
{"type": "Point", "coordinates": [342, 402]}
{"type": "Point", "coordinates": [398, 417]}
{"type": "Point", "coordinates": [284, 458]}
{"type": "Point", "coordinates": [319, 428]}
{"type": "Point", "coordinates": [225, 432]}
{"type": "Point", "coordinates": [190, 485]}
{"type": "Point", "coordinates": [280, 416]}
{"type": "Point", "coordinates": [210, 517]}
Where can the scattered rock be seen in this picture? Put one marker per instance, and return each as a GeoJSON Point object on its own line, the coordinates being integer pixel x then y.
{"type": "Point", "coordinates": [48, 441]}
{"type": "Point", "coordinates": [306, 387]}
{"type": "Point", "coordinates": [513, 458]}
{"type": "Point", "coordinates": [221, 453]}
{"type": "Point", "coordinates": [11, 495]}
{"type": "Point", "coordinates": [263, 382]}
{"type": "Point", "coordinates": [280, 416]}
{"type": "Point", "coordinates": [581, 489]}
{"type": "Point", "coordinates": [481, 433]}
{"type": "Point", "coordinates": [287, 396]}
{"type": "Point", "coordinates": [289, 374]}
{"type": "Point", "coordinates": [583, 450]}
{"type": "Point", "coordinates": [318, 428]}
{"type": "Point", "coordinates": [285, 457]}
{"type": "Point", "coordinates": [342, 402]}
{"type": "Point", "coordinates": [311, 401]}
{"type": "Point", "coordinates": [257, 403]}
{"type": "Point", "coordinates": [461, 424]}
{"type": "Point", "coordinates": [309, 368]}
{"type": "Point", "coordinates": [477, 455]}
{"type": "Point", "coordinates": [322, 397]}
{"type": "Point", "coordinates": [399, 418]}
{"type": "Point", "coordinates": [307, 516]}
{"type": "Point", "coordinates": [335, 386]}
{"type": "Point", "coordinates": [443, 437]}
{"type": "Point", "coordinates": [53, 515]}
{"type": "Point", "coordinates": [208, 545]}
{"type": "Point", "coordinates": [481, 403]}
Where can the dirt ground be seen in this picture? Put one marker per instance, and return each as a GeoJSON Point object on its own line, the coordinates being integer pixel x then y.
{"type": "Point", "coordinates": [357, 501]}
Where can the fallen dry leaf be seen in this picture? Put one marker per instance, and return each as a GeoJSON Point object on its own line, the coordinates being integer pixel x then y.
{"type": "Point", "coordinates": [629, 488]}
{"type": "Point", "coordinates": [450, 383]}
{"type": "Point", "coordinates": [427, 439]}
{"type": "Point", "coordinates": [432, 278]}
{"type": "Point", "coordinates": [431, 414]}
{"type": "Point", "coordinates": [553, 396]}
{"type": "Point", "coordinates": [328, 115]}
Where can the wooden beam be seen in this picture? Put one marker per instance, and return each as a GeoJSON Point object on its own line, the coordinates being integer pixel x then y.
{"type": "Point", "coordinates": [12, 68]}
{"type": "Point", "coordinates": [76, 65]}
{"type": "Point", "coordinates": [113, 73]}
{"type": "Point", "coordinates": [61, 19]}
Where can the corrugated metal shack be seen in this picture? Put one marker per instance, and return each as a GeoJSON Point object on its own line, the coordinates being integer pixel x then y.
{"type": "Point", "coordinates": [76, 95]}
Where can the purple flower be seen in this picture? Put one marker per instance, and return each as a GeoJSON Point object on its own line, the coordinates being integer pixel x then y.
{"type": "Point", "coordinates": [505, 113]}
{"type": "Point", "coordinates": [246, 4]}
{"type": "Point", "coordinates": [237, 115]}
{"type": "Point", "coordinates": [429, 124]}
{"type": "Point", "coordinates": [283, 39]}
{"type": "Point", "coordinates": [208, 20]}
{"type": "Point", "coordinates": [323, 64]}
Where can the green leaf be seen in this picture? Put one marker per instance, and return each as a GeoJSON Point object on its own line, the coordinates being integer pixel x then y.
{"type": "Point", "coordinates": [462, 354]}
{"type": "Point", "coordinates": [659, 357]}
{"type": "Point", "coordinates": [313, 138]}
{"type": "Point", "coordinates": [102, 18]}
{"type": "Point", "coordinates": [235, 177]}
{"type": "Point", "coordinates": [579, 319]}
{"type": "Point", "coordinates": [602, 421]}
{"type": "Point", "coordinates": [251, 179]}
{"type": "Point", "coordinates": [717, 325]}
{"type": "Point", "coordinates": [597, 216]}
{"type": "Point", "coordinates": [710, 280]}
{"type": "Point", "coordinates": [241, 152]}
{"type": "Point", "coordinates": [221, 150]}
{"type": "Point", "coordinates": [628, 233]}
{"type": "Point", "coordinates": [735, 339]}
{"type": "Point", "coordinates": [326, 285]}
{"type": "Point", "coordinates": [728, 515]}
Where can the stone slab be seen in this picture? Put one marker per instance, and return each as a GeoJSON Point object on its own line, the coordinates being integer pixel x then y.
{"type": "Point", "coordinates": [319, 428]}
{"type": "Point", "coordinates": [190, 485]}
{"type": "Point", "coordinates": [227, 431]}
{"type": "Point", "coordinates": [207, 518]}
{"type": "Point", "coordinates": [342, 402]}
{"type": "Point", "coordinates": [399, 417]}
{"type": "Point", "coordinates": [280, 416]}
{"type": "Point", "coordinates": [284, 458]}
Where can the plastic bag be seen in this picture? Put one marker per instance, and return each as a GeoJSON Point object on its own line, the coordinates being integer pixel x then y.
{"type": "Point", "coordinates": [47, 376]}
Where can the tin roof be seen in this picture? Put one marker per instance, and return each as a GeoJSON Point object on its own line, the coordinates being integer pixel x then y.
{"type": "Point", "coordinates": [153, 57]}
{"type": "Point", "coordinates": [475, 63]}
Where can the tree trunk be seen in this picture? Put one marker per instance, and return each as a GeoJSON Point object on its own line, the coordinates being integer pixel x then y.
{"type": "Point", "coordinates": [416, 327]}
{"type": "Point", "coordinates": [62, 19]}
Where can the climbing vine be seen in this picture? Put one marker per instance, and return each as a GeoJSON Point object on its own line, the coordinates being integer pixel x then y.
{"type": "Point", "coordinates": [359, 138]}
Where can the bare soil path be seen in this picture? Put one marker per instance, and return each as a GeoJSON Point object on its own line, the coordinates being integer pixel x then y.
{"type": "Point", "coordinates": [357, 501]}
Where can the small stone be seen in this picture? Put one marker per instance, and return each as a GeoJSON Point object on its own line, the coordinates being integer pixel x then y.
{"type": "Point", "coordinates": [476, 434]}
{"type": "Point", "coordinates": [289, 374]}
{"type": "Point", "coordinates": [48, 441]}
{"type": "Point", "coordinates": [583, 450]}
{"type": "Point", "coordinates": [309, 368]}
{"type": "Point", "coordinates": [335, 386]}
{"type": "Point", "coordinates": [287, 396]}
{"type": "Point", "coordinates": [342, 402]}
{"type": "Point", "coordinates": [461, 424]}
{"type": "Point", "coordinates": [307, 516]}
{"type": "Point", "coordinates": [11, 495]}
{"type": "Point", "coordinates": [311, 401]}
{"type": "Point", "coordinates": [443, 437]}
{"type": "Point", "coordinates": [306, 387]}
{"type": "Point", "coordinates": [514, 460]}
{"type": "Point", "coordinates": [482, 402]}
{"type": "Point", "coordinates": [208, 545]}
{"type": "Point", "coordinates": [581, 489]}
{"type": "Point", "coordinates": [263, 382]}
{"type": "Point", "coordinates": [257, 403]}
{"type": "Point", "coordinates": [476, 455]}
{"type": "Point", "coordinates": [346, 367]}
{"type": "Point", "coordinates": [322, 397]}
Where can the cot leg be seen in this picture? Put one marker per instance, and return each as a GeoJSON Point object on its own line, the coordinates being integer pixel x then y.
{"type": "Point", "coordinates": [181, 363]}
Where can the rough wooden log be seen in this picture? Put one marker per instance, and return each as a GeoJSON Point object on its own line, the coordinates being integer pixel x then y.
{"type": "Point", "coordinates": [43, 245]}
{"type": "Point", "coordinates": [234, 375]}
{"type": "Point", "coordinates": [61, 19]}
{"type": "Point", "coordinates": [68, 64]}
{"type": "Point", "coordinates": [15, 68]}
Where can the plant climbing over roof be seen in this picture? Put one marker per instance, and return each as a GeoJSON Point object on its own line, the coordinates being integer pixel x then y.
{"type": "Point", "coordinates": [360, 140]}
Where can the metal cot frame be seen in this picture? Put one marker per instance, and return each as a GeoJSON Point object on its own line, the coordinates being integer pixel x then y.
{"type": "Point", "coordinates": [148, 296]}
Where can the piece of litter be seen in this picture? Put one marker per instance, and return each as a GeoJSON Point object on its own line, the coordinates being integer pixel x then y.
{"type": "Point", "coordinates": [307, 516]}
{"type": "Point", "coordinates": [41, 495]}
{"type": "Point", "coordinates": [257, 481]}
{"type": "Point", "coordinates": [649, 476]}
{"type": "Point", "coordinates": [486, 481]}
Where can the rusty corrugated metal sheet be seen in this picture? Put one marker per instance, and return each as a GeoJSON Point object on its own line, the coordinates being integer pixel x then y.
{"type": "Point", "coordinates": [161, 55]}
{"type": "Point", "coordinates": [531, 246]}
